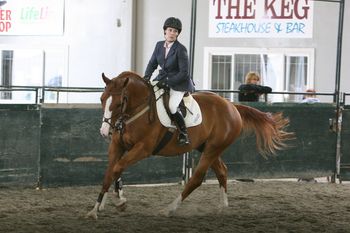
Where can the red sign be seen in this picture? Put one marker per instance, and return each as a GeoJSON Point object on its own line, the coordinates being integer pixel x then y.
{"type": "Point", "coordinates": [32, 17]}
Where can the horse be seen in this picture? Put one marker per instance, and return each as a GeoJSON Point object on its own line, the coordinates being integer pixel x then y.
{"type": "Point", "coordinates": [130, 120]}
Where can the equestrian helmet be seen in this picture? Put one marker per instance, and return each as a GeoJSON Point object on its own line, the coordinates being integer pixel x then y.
{"type": "Point", "coordinates": [172, 22]}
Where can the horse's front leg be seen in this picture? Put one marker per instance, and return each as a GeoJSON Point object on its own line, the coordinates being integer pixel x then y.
{"type": "Point", "coordinates": [115, 151]}
{"type": "Point", "coordinates": [119, 200]}
{"type": "Point", "coordinates": [114, 172]}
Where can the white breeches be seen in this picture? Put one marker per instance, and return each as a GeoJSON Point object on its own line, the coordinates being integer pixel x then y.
{"type": "Point", "coordinates": [174, 100]}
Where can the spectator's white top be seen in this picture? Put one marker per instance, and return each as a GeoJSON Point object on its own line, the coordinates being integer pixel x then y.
{"type": "Point", "coordinates": [310, 100]}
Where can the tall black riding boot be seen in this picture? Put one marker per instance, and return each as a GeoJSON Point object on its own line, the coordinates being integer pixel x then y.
{"type": "Point", "coordinates": [180, 124]}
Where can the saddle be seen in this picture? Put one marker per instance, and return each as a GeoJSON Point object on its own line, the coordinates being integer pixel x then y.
{"type": "Point", "coordinates": [188, 106]}
{"type": "Point", "coordinates": [182, 106]}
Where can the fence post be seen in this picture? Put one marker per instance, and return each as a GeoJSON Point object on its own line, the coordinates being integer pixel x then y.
{"type": "Point", "coordinates": [187, 165]}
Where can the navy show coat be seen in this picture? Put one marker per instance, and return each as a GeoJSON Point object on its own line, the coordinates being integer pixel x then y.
{"type": "Point", "coordinates": [174, 66]}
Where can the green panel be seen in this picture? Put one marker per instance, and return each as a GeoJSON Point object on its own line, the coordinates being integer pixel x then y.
{"type": "Point", "coordinates": [313, 152]}
{"type": "Point", "coordinates": [19, 144]}
{"type": "Point", "coordinates": [345, 145]}
{"type": "Point", "coordinates": [74, 153]}
{"type": "Point", "coordinates": [155, 169]}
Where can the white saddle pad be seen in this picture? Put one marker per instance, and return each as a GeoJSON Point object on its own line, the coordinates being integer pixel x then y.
{"type": "Point", "coordinates": [193, 115]}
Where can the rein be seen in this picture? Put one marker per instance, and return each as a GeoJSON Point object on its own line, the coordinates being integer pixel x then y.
{"type": "Point", "coordinates": [125, 118]}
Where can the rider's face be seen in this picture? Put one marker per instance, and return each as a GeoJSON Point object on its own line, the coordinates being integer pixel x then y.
{"type": "Point", "coordinates": [171, 34]}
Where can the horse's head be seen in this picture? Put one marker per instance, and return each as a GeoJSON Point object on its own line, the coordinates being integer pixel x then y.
{"type": "Point", "coordinates": [118, 96]}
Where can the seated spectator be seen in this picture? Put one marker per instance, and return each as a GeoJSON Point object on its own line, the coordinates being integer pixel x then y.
{"type": "Point", "coordinates": [310, 98]}
{"type": "Point", "coordinates": [251, 90]}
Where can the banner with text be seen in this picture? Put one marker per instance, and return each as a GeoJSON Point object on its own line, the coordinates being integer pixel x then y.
{"type": "Point", "coordinates": [32, 17]}
{"type": "Point", "coordinates": [261, 18]}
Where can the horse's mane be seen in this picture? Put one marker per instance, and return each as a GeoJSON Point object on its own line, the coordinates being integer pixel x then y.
{"type": "Point", "coordinates": [136, 78]}
{"type": "Point", "coordinates": [126, 74]}
{"type": "Point", "coordinates": [133, 76]}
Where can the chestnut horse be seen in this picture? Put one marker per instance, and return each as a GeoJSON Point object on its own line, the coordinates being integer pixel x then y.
{"type": "Point", "coordinates": [129, 106]}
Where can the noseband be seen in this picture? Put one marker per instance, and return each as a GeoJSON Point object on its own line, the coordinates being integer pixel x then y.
{"type": "Point", "coordinates": [125, 118]}
{"type": "Point", "coordinates": [109, 120]}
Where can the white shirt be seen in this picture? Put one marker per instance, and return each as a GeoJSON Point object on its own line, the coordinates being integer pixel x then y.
{"type": "Point", "coordinates": [310, 100]}
{"type": "Point", "coordinates": [167, 47]}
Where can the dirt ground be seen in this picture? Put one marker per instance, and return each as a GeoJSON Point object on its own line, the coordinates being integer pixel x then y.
{"type": "Point", "coordinates": [261, 206]}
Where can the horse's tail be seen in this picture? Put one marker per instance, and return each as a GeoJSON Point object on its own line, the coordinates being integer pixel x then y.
{"type": "Point", "coordinates": [269, 129]}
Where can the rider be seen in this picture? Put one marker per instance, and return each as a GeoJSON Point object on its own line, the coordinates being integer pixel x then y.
{"type": "Point", "coordinates": [172, 58]}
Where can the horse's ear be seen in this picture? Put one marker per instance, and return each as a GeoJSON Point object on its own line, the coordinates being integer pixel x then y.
{"type": "Point", "coordinates": [105, 79]}
{"type": "Point", "coordinates": [126, 82]}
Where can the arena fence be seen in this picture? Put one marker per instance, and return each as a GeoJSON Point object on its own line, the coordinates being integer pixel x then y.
{"type": "Point", "coordinates": [311, 154]}
{"type": "Point", "coordinates": [59, 144]}
{"type": "Point", "coordinates": [344, 146]}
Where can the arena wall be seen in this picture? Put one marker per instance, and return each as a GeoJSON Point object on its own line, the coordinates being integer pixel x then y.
{"type": "Point", "coordinates": [60, 145]}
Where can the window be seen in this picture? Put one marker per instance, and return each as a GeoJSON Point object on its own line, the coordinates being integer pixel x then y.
{"type": "Point", "coordinates": [296, 75]}
{"type": "Point", "coordinates": [32, 67]}
{"type": "Point", "coordinates": [283, 69]}
{"type": "Point", "coordinates": [221, 70]}
{"type": "Point", "coordinates": [243, 64]}
{"type": "Point", "coordinates": [6, 72]}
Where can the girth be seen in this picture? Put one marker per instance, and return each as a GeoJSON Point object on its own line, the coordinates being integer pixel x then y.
{"type": "Point", "coordinates": [164, 141]}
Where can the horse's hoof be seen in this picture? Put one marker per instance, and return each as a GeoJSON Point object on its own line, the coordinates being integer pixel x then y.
{"type": "Point", "coordinates": [167, 213]}
{"type": "Point", "coordinates": [121, 207]}
{"type": "Point", "coordinates": [120, 203]}
{"type": "Point", "coordinates": [222, 208]}
{"type": "Point", "coordinates": [92, 214]}
{"type": "Point", "coordinates": [101, 207]}
{"type": "Point", "coordinates": [170, 210]}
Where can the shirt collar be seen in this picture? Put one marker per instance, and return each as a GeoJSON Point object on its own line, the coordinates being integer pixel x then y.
{"type": "Point", "coordinates": [168, 46]}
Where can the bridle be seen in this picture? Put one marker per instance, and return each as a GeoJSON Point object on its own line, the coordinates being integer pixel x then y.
{"type": "Point", "coordinates": [137, 111]}
{"type": "Point", "coordinates": [109, 120]}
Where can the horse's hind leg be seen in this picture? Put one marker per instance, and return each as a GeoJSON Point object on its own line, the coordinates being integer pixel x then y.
{"type": "Point", "coordinates": [220, 170]}
{"type": "Point", "coordinates": [194, 182]}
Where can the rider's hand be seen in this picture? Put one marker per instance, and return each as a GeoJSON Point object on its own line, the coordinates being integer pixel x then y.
{"type": "Point", "coordinates": [162, 83]}
{"type": "Point", "coordinates": [147, 78]}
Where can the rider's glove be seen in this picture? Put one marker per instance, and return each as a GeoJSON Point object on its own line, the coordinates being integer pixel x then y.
{"type": "Point", "coordinates": [163, 83]}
